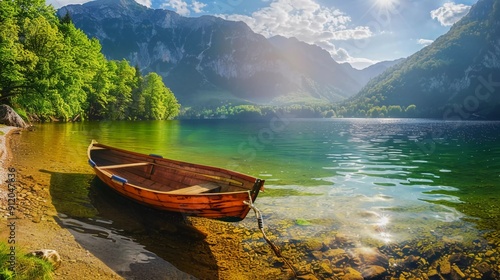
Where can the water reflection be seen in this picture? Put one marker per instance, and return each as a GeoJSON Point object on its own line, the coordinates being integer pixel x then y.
{"type": "Point", "coordinates": [135, 241]}
{"type": "Point", "coordinates": [124, 255]}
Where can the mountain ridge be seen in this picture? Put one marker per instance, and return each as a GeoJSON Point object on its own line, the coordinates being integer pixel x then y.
{"type": "Point", "coordinates": [443, 79]}
{"type": "Point", "coordinates": [209, 59]}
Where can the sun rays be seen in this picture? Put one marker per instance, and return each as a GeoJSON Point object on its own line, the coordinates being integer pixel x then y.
{"type": "Point", "coordinates": [387, 5]}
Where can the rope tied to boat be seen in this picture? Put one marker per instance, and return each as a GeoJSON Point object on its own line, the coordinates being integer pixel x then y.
{"type": "Point", "coordinates": [260, 223]}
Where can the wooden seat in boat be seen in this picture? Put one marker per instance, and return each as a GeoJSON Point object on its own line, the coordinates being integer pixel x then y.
{"type": "Point", "coordinates": [196, 189]}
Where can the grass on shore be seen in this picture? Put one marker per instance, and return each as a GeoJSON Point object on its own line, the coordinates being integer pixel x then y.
{"type": "Point", "coordinates": [26, 267]}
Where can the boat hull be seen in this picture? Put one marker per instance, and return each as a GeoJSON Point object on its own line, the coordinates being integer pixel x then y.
{"type": "Point", "coordinates": [229, 204]}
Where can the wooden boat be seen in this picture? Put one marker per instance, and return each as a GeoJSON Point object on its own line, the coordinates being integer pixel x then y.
{"type": "Point", "coordinates": [170, 185]}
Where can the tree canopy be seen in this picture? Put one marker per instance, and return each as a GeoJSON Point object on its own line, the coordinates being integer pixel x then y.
{"type": "Point", "coordinates": [52, 70]}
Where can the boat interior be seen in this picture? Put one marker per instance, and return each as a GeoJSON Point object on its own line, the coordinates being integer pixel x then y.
{"type": "Point", "coordinates": [158, 174]}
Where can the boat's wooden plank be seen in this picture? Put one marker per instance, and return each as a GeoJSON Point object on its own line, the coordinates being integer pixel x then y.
{"type": "Point", "coordinates": [156, 187]}
{"type": "Point", "coordinates": [196, 189]}
{"type": "Point", "coordinates": [98, 148]}
{"type": "Point", "coordinates": [125, 165]}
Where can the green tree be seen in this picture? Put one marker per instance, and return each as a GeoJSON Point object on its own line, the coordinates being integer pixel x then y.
{"type": "Point", "coordinates": [394, 111]}
{"type": "Point", "coordinates": [32, 9]}
{"type": "Point", "coordinates": [137, 109]}
{"type": "Point", "coordinates": [122, 78]}
{"type": "Point", "coordinates": [411, 110]}
{"type": "Point", "coordinates": [15, 61]}
{"type": "Point", "coordinates": [43, 41]}
{"type": "Point", "coordinates": [160, 102]}
{"type": "Point", "coordinates": [51, 69]}
{"type": "Point", "coordinates": [97, 98]}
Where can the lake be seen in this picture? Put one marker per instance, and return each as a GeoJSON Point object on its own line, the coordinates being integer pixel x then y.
{"type": "Point", "coordinates": [374, 181]}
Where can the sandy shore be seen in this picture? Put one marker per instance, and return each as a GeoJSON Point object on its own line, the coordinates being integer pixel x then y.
{"type": "Point", "coordinates": [34, 219]}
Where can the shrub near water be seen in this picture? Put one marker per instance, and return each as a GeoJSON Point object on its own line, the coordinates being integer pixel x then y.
{"type": "Point", "coordinates": [27, 267]}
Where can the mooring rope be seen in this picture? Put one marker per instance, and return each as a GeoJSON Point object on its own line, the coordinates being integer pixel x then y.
{"type": "Point", "coordinates": [260, 223]}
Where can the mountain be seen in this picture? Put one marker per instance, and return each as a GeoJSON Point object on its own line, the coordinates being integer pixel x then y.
{"type": "Point", "coordinates": [328, 75]}
{"type": "Point", "coordinates": [456, 77]}
{"type": "Point", "coordinates": [208, 59]}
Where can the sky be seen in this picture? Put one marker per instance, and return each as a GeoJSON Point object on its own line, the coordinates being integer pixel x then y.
{"type": "Point", "coordinates": [360, 32]}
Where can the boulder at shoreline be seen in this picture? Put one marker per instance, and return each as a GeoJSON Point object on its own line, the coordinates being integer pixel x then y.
{"type": "Point", "coordinates": [9, 117]}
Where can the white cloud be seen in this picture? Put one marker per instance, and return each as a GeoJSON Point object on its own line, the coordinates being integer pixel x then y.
{"type": "Point", "coordinates": [450, 13]}
{"type": "Point", "coordinates": [424, 42]}
{"type": "Point", "coordinates": [361, 63]}
{"type": "Point", "coordinates": [341, 55]}
{"type": "Point", "coordinates": [198, 7]}
{"type": "Point", "coordinates": [307, 21]}
{"type": "Point", "coordinates": [146, 3]}
{"type": "Point", "coordinates": [182, 7]}
{"type": "Point", "coordinates": [178, 6]}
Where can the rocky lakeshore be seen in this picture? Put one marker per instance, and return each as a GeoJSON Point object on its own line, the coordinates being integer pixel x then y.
{"type": "Point", "coordinates": [33, 215]}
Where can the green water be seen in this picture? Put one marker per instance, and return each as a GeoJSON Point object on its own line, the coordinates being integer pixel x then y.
{"type": "Point", "coordinates": [407, 176]}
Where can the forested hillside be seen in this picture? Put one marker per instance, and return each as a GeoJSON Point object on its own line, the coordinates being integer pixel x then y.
{"type": "Point", "coordinates": [453, 78]}
{"type": "Point", "coordinates": [51, 70]}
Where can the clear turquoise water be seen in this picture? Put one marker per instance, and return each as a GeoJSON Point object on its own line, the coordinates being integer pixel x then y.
{"type": "Point", "coordinates": [383, 179]}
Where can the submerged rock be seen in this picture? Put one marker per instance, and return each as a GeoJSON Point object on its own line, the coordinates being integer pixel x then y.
{"type": "Point", "coordinates": [484, 268]}
{"type": "Point", "coordinates": [369, 256]}
{"type": "Point", "coordinates": [374, 272]}
{"type": "Point", "coordinates": [457, 273]}
{"type": "Point", "coordinates": [352, 274]}
{"type": "Point", "coordinates": [444, 267]}
{"type": "Point", "coordinates": [9, 117]}
{"type": "Point", "coordinates": [460, 259]}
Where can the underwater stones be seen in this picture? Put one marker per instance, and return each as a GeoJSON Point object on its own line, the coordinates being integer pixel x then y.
{"type": "Point", "coordinates": [456, 273]}
{"type": "Point", "coordinates": [433, 274]}
{"type": "Point", "coordinates": [369, 256]}
{"type": "Point", "coordinates": [336, 256]}
{"type": "Point", "coordinates": [373, 272]}
{"type": "Point", "coordinates": [460, 259]}
{"type": "Point", "coordinates": [433, 253]}
{"type": "Point", "coordinates": [411, 261]}
{"type": "Point", "coordinates": [444, 267]}
{"type": "Point", "coordinates": [484, 268]}
{"type": "Point", "coordinates": [314, 245]}
{"type": "Point", "coordinates": [489, 253]}
{"type": "Point", "coordinates": [307, 277]}
{"type": "Point", "coordinates": [352, 274]}
{"type": "Point", "coordinates": [341, 238]}
{"type": "Point", "coordinates": [325, 269]}
{"type": "Point", "coordinates": [317, 255]}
